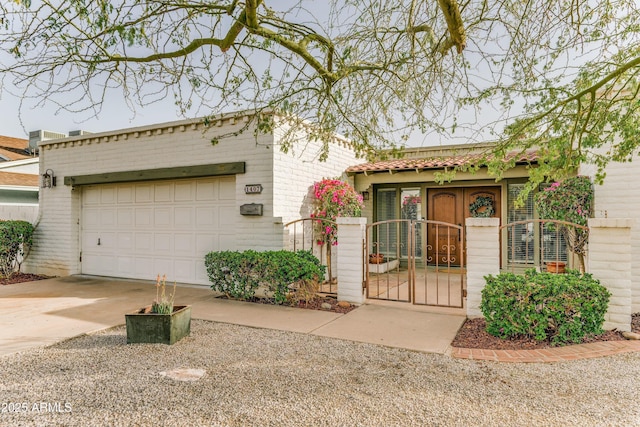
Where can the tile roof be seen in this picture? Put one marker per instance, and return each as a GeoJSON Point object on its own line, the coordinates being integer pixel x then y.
{"type": "Point", "coordinates": [19, 179]}
{"type": "Point", "coordinates": [9, 141]}
{"type": "Point", "coordinates": [435, 162]}
{"type": "Point", "coordinates": [13, 148]}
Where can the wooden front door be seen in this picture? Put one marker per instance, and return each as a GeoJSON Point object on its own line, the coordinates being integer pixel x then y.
{"type": "Point", "coordinates": [452, 205]}
{"type": "Point", "coordinates": [444, 205]}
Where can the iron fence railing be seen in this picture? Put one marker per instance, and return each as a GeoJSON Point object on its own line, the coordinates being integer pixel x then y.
{"type": "Point", "coordinates": [550, 245]}
{"type": "Point", "coordinates": [307, 234]}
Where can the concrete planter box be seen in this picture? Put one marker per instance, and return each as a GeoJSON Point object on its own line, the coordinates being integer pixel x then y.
{"type": "Point", "coordinates": [151, 328]}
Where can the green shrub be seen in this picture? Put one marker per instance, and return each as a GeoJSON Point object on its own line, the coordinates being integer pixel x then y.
{"type": "Point", "coordinates": [16, 238]}
{"type": "Point", "coordinates": [561, 308]}
{"type": "Point", "coordinates": [239, 274]}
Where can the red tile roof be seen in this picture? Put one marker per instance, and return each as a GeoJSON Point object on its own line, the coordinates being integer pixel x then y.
{"type": "Point", "coordinates": [435, 162]}
{"type": "Point", "coordinates": [19, 179]}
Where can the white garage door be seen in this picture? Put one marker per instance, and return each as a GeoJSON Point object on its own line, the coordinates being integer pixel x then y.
{"type": "Point", "coordinates": [140, 230]}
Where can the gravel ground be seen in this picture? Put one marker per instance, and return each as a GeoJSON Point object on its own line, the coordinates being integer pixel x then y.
{"type": "Point", "coordinates": [263, 377]}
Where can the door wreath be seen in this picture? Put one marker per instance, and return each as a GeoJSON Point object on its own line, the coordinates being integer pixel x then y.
{"type": "Point", "coordinates": [482, 202]}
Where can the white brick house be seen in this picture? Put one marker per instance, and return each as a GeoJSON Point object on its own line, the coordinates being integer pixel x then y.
{"type": "Point", "coordinates": [137, 202]}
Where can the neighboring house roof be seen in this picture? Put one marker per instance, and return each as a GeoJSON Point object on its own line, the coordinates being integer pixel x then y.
{"type": "Point", "coordinates": [13, 148]}
{"type": "Point", "coordinates": [439, 162]}
{"type": "Point", "coordinates": [14, 179]}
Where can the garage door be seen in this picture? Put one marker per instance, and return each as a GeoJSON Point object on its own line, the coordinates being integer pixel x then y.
{"type": "Point", "coordinates": [140, 230]}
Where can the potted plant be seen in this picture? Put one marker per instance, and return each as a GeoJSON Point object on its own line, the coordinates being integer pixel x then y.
{"type": "Point", "coordinates": [556, 267]}
{"type": "Point", "coordinates": [161, 322]}
{"type": "Point", "coordinates": [376, 258]}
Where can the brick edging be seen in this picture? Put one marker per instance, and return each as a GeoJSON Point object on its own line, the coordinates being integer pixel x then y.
{"type": "Point", "coordinates": [561, 354]}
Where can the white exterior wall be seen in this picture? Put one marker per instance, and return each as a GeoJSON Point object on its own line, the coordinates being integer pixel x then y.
{"type": "Point", "coordinates": [185, 143]}
{"type": "Point", "coordinates": [23, 212]}
{"type": "Point", "coordinates": [21, 166]}
{"type": "Point", "coordinates": [619, 197]}
{"type": "Point", "coordinates": [609, 261]}
{"type": "Point", "coordinates": [351, 232]}
{"type": "Point", "coordinates": [295, 172]}
{"type": "Point", "coordinates": [483, 258]}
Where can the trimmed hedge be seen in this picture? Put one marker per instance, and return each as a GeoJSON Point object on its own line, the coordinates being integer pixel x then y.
{"type": "Point", "coordinates": [561, 308]}
{"type": "Point", "coordinates": [239, 274]}
{"type": "Point", "coordinates": [16, 238]}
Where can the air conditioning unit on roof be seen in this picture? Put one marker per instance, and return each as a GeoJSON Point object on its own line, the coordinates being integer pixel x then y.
{"type": "Point", "coordinates": [79, 132]}
{"type": "Point", "coordinates": [37, 136]}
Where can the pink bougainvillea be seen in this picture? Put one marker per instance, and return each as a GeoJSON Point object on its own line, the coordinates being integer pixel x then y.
{"type": "Point", "coordinates": [333, 198]}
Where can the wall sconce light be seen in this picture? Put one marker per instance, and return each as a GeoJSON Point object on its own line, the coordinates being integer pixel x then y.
{"type": "Point", "coordinates": [365, 195]}
{"type": "Point", "coordinates": [48, 179]}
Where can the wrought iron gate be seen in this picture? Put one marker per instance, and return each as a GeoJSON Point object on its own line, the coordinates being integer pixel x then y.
{"type": "Point", "coordinates": [310, 234]}
{"type": "Point", "coordinates": [416, 261]}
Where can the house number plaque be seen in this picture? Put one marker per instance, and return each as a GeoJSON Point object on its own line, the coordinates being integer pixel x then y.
{"type": "Point", "coordinates": [253, 189]}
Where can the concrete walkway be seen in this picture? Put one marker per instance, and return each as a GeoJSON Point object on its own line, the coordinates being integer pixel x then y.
{"type": "Point", "coordinates": [44, 312]}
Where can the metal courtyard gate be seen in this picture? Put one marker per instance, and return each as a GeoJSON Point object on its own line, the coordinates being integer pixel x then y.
{"type": "Point", "coordinates": [416, 261]}
{"type": "Point", "coordinates": [317, 235]}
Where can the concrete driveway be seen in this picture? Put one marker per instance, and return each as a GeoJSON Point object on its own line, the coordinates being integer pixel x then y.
{"type": "Point", "coordinates": [44, 312]}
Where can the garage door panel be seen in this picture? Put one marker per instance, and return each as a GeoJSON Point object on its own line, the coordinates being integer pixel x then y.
{"type": "Point", "coordinates": [207, 190]}
{"type": "Point", "coordinates": [145, 268]}
{"type": "Point", "coordinates": [144, 217]}
{"type": "Point", "coordinates": [143, 242]}
{"type": "Point", "coordinates": [125, 194]}
{"type": "Point", "coordinates": [108, 216]}
{"type": "Point", "coordinates": [183, 191]}
{"type": "Point", "coordinates": [91, 196]}
{"type": "Point", "coordinates": [207, 217]}
{"type": "Point", "coordinates": [125, 241]}
{"type": "Point", "coordinates": [184, 244]}
{"type": "Point", "coordinates": [107, 241]}
{"type": "Point", "coordinates": [163, 192]}
{"type": "Point", "coordinates": [226, 216]}
{"type": "Point", "coordinates": [206, 243]}
{"type": "Point", "coordinates": [125, 217]}
{"type": "Point", "coordinates": [144, 193]}
{"type": "Point", "coordinates": [227, 188]}
{"type": "Point", "coordinates": [126, 266]}
{"type": "Point", "coordinates": [163, 243]}
{"type": "Point", "coordinates": [162, 217]}
{"type": "Point", "coordinates": [183, 217]}
{"type": "Point", "coordinates": [108, 195]}
{"type": "Point", "coordinates": [91, 262]}
{"type": "Point", "coordinates": [164, 266]}
{"type": "Point", "coordinates": [90, 239]}
{"type": "Point", "coordinates": [91, 217]}
{"type": "Point", "coordinates": [164, 227]}
{"type": "Point", "coordinates": [184, 270]}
